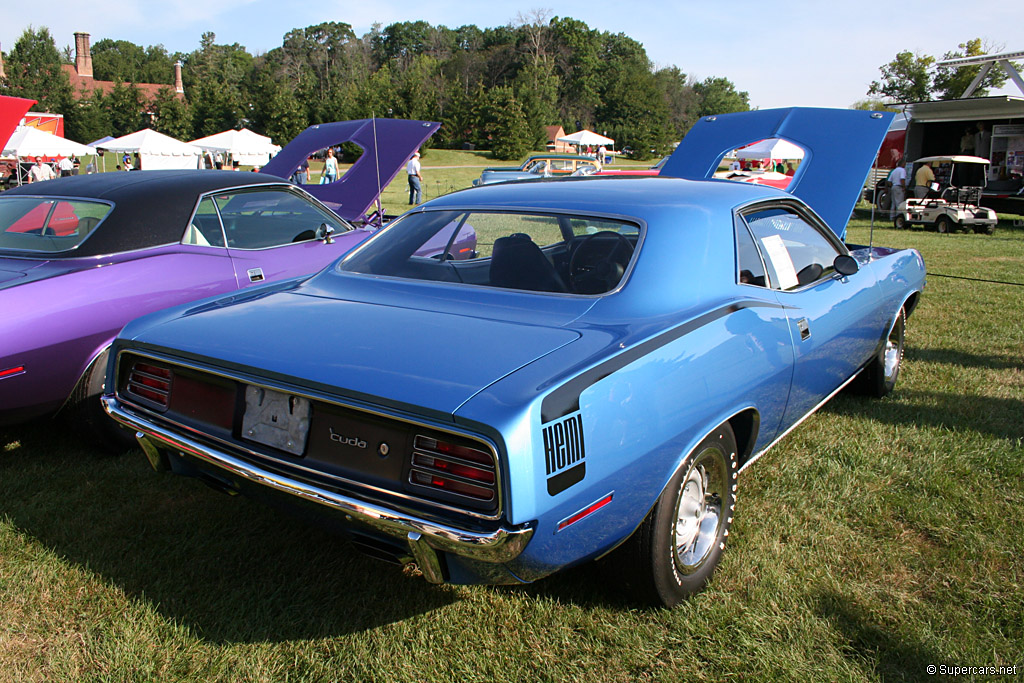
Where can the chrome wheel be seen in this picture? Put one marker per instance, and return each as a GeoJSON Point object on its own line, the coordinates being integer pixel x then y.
{"type": "Point", "coordinates": [893, 352]}
{"type": "Point", "coordinates": [699, 510]}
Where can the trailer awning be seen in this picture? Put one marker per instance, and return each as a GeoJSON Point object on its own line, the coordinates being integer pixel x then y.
{"type": "Point", "coordinates": [998, 107]}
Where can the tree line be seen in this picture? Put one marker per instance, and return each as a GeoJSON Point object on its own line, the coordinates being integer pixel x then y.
{"type": "Point", "coordinates": [493, 88]}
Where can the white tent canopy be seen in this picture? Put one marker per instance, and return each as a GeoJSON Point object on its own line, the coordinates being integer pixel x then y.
{"type": "Point", "coordinates": [587, 137]}
{"type": "Point", "coordinates": [156, 150]}
{"type": "Point", "coordinates": [771, 148]}
{"type": "Point", "coordinates": [32, 142]}
{"type": "Point", "coordinates": [244, 146]}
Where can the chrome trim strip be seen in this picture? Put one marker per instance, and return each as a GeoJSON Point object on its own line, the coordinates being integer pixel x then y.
{"type": "Point", "coordinates": [423, 536]}
{"type": "Point", "coordinates": [333, 400]}
{"type": "Point", "coordinates": [796, 424]}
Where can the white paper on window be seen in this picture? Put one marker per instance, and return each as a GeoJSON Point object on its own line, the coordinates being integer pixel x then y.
{"type": "Point", "coordinates": [779, 256]}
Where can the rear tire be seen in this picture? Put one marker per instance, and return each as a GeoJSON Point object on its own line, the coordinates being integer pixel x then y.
{"type": "Point", "coordinates": [678, 545]}
{"type": "Point", "coordinates": [943, 224]}
{"type": "Point", "coordinates": [84, 409]}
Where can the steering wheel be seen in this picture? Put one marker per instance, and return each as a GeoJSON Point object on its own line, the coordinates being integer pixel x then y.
{"type": "Point", "coordinates": [594, 268]}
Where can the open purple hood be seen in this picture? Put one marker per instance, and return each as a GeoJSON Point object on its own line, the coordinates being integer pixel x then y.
{"type": "Point", "coordinates": [387, 145]}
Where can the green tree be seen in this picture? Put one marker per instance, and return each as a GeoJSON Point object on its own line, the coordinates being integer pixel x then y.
{"type": "Point", "coordinates": [951, 83]}
{"type": "Point", "coordinates": [217, 81]}
{"type": "Point", "coordinates": [872, 104]}
{"type": "Point", "coordinates": [171, 115]}
{"type": "Point", "coordinates": [905, 79]}
{"type": "Point", "coordinates": [33, 68]}
{"type": "Point", "coordinates": [719, 96]}
{"type": "Point", "coordinates": [124, 61]}
{"type": "Point", "coordinates": [505, 125]}
{"type": "Point", "coordinates": [88, 120]}
{"type": "Point", "coordinates": [577, 64]}
{"type": "Point", "coordinates": [124, 107]}
{"type": "Point", "coordinates": [681, 100]}
{"type": "Point", "coordinates": [279, 113]}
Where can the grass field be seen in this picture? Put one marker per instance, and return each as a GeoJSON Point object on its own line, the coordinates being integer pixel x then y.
{"type": "Point", "coordinates": [879, 538]}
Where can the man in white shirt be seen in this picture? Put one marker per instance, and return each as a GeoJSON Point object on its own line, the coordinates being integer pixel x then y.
{"type": "Point", "coordinates": [40, 171]}
{"type": "Point", "coordinates": [898, 181]}
{"type": "Point", "coordinates": [415, 179]}
{"type": "Point", "coordinates": [66, 166]}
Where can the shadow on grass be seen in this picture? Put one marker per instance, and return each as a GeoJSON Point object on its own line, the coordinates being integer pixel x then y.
{"type": "Point", "coordinates": [967, 360]}
{"type": "Point", "coordinates": [998, 417]}
{"type": "Point", "coordinates": [224, 567]}
{"type": "Point", "coordinates": [892, 658]}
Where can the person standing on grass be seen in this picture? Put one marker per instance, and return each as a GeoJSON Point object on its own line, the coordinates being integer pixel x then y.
{"type": "Point", "coordinates": [923, 180]}
{"type": "Point", "coordinates": [898, 181]}
{"type": "Point", "coordinates": [330, 173]}
{"type": "Point", "coordinates": [414, 171]}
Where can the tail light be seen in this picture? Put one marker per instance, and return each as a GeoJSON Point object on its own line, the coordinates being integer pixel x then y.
{"type": "Point", "coordinates": [151, 383]}
{"type": "Point", "coordinates": [453, 468]}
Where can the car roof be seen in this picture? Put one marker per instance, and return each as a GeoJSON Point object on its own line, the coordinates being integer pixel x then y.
{"type": "Point", "coordinates": [641, 197]}
{"type": "Point", "coordinates": [560, 156]}
{"type": "Point", "coordinates": [150, 207]}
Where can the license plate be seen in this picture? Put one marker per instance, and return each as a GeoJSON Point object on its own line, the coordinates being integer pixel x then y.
{"type": "Point", "coordinates": [276, 419]}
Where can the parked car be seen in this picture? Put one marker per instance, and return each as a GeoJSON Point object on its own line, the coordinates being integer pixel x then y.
{"type": "Point", "coordinates": [954, 201]}
{"type": "Point", "coordinates": [538, 166]}
{"type": "Point", "coordinates": [592, 381]}
{"type": "Point", "coordinates": [81, 256]}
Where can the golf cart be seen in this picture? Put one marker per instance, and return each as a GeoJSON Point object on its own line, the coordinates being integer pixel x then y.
{"type": "Point", "coordinates": [952, 200]}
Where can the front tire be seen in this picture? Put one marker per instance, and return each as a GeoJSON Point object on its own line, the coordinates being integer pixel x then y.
{"type": "Point", "coordinates": [943, 224]}
{"type": "Point", "coordinates": [901, 222]}
{"type": "Point", "coordinates": [879, 378]}
{"type": "Point", "coordinates": [680, 542]}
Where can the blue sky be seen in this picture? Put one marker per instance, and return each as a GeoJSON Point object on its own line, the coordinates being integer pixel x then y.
{"type": "Point", "coordinates": [784, 53]}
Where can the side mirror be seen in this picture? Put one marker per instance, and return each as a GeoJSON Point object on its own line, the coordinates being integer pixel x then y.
{"type": "Point", "coordinates": [324, 233]}
{"type": "Point", "coordinates": [845, 265]}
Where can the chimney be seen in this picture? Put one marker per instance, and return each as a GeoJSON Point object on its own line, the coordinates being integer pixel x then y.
{"type": "Point", "coordinates": [179, 87]}
{"type": "Point", "coordinates": [83, 58]}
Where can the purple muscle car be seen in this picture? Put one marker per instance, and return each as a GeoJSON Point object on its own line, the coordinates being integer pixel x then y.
{"type": "Point", "coordinates": [81, 256]}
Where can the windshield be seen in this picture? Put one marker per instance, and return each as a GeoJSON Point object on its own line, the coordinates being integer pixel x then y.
{"type": "Point", "coordinates": [48, 224]}
{"type": "Point", "coordinates": [528, 251]}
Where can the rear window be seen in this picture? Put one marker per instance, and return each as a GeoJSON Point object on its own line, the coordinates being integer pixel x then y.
{"type": "Point", "coordinates": [563, 254]}
{"type": "Point", "coordinates": [48, 224]}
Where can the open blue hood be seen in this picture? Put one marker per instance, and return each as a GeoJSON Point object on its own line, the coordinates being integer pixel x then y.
{"type": "Point", "coordinates": [839, 147]}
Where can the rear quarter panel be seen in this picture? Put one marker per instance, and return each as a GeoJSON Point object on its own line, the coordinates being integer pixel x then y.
{"type": "Point", "coordinates": [56, 326]}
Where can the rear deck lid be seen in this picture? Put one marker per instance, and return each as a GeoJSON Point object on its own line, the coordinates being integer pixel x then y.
{"type": "Point", "coordinates": [389, 355]}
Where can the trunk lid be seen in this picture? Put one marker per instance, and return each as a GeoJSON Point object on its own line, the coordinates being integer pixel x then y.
{"type": "Point", "coordinates": [383, 354]}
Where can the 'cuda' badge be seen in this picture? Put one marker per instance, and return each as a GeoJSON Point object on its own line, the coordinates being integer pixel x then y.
{"type": "Point", "coordinates": [564, 453]}
{"type": "Point", "coordinates": [347, 440]}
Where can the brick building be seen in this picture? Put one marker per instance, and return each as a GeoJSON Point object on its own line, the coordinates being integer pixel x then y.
{"type": "Point", "coordinates": [83, 83]}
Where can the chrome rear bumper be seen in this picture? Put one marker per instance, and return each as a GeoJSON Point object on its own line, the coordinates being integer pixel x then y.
{"type": "Point", "coordinates": [423, 537]}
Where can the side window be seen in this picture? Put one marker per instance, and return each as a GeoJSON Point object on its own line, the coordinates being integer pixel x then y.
{"type": "Point", "coordinates": [561, 165]}
{"type": "Point", "coordinates": [204, 230]}
{"type": "Point", "coordinates": [748, 258]}
{"type": "Point", "coordinates": [258, 219]}
{"type": "Point", "coordinates": [794, 250]}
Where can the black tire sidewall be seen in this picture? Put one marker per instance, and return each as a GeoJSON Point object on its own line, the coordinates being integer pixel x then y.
{"type": "Point", "coordinates": [671, 585]}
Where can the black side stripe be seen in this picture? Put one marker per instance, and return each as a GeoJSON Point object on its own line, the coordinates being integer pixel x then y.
{"type": "Point", "coordinates": [566, 399]}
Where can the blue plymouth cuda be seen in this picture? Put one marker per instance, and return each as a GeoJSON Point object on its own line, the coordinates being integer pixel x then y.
{"type": "Point", "coordinates": [591, 380]}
